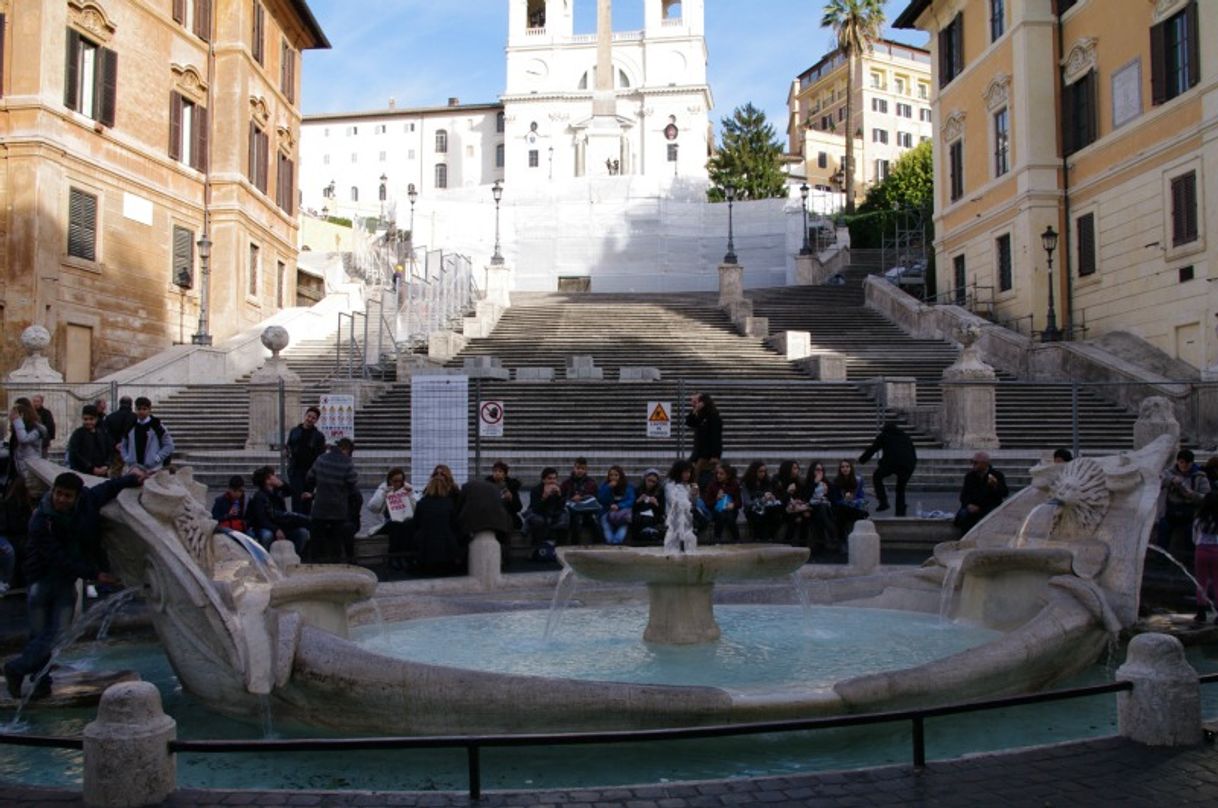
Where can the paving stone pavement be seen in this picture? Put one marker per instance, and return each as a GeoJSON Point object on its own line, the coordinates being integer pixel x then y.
{"type": "Point", "coordinates": [1106, 772]}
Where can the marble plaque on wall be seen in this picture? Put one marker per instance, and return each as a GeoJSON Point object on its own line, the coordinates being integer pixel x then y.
{"type": "Point", "coordinates": [1127, 93]}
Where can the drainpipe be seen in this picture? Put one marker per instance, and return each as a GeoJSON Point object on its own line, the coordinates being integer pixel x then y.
{"type": "Point", "coordinates": [1066, 252]}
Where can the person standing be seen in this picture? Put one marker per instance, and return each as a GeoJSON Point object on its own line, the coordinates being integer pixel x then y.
{"type": "Point", "coordinates": [26, 434]}
{"type": "Point", "coordinates": [48, 421]}
{"type": "Point", "coordinates": [1185, 485]}
{"type": "Point", "coordinates": [305, 444]}
{"type": "Point", "coordinates": [89, 447]}
{"type": "Point", "coordinates": [64, 545]}
{"type": "Point", "coordinates": [336, 502]}
{"type": "Point", "coordinates": [985, 487]}
{"type": "Point", "coordinates": [147, 443]}
{"type": "Point", "coordinates": [707, 425]}
{"type": "Point", "coordinates": [897, 457]}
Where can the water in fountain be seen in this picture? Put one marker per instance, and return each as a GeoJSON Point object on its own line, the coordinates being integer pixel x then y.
{"type": "Point", "coordinates": [257, 553]}
{"type": "Point", "coordinates": [378, 619]}
{"type": "Point", "coordinates": [1184, 570]}
{"type": "Point", "coordinates": [101, 614]}
{"type": "Point", "coordinates": [948, 594]}
{"type": "Point", "coordinates": [1039, 519]}
{"type": "Point", "coordinates": [563, 592]}
{"type": "Point", "coordinates": [268, 724]}
{"type": "Point", "coordinates": [680, 536]}
{"type": "Point", "coordinates": [801, 586]}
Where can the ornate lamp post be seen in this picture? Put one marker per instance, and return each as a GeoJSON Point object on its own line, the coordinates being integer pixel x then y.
{"type": "Point", "coordinates": [730, 257]}
{"type": "Point", "coordinates": [382, 194]}
{"type": "Point", "coordinates": [412, 194]}
{"type": "Point", "coordinates": [803, 197]}
{"type": "Point", "coordinates": [497, 192]}
{"type": "Point", "coordinates": [201, 337]}
{"type": "Point", "coordinates": [1051, 333]}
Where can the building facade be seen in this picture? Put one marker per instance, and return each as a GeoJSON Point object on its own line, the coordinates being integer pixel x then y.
{"type": "Point", "coordinates": [890, 110]}
{"type": "Point", "coordinates": [1099, 125]}
{"type": "Point", "coordinates": [134, 132]}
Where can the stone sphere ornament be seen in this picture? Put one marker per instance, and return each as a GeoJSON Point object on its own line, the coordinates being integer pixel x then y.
{"type": "Point", "coordinates": [35, 339]}
{"type": "Point", "coordinates": [275, 338]}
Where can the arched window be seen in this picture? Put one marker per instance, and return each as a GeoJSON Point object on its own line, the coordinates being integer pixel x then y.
{"type": "Point", "coordinates": [441, 175]}
{"type": "Point", "coordinates": [441, 141]}
{"type": "Point", "coordinates": [354, 194]}
{"type": "Point", "coordinates": [499, 123]}
{"type": "Point", "coordinates": [672, 10]}
{"type": "Point", "coordinates": [499, 156]}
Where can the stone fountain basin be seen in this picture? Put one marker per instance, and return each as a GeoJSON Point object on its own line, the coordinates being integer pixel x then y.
{"type": "Point", "coordinates": [702, 565]}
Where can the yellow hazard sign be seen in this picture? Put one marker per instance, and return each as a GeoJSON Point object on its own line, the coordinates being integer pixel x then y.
{"type": "Point", "coordinates": [659, 423]}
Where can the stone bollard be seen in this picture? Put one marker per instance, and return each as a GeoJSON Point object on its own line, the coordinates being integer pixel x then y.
{"type": "Point", "coordinates": [756, 327]}
{"type": "Point", "coordinates": [969, 407]}
{"type": "Point", "coordinates": [826, 367]}
{"type": "Point", "coordinates": [1164, 707]}
{"type": "Point", "coordinates": [731, 284]}
{"type": "Point", "coordinates": [486, 559]}
{"type": "Point", "coordinates": [127, 759]}
{"type": "Point", "coordinates": [864, 547]}
{"type": "Point", "coordinates": [795, 345]}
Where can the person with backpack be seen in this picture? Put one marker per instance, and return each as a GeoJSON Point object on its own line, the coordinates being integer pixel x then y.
{"type": "Point", "coordinates": [147, 443]}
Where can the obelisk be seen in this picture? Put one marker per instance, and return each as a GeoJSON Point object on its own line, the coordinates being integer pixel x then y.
{"type": "Point", "coordinates": [604, 152]}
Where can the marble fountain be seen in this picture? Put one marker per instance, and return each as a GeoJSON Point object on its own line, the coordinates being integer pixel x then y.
{"type": "Point", "coordinates": [1052, 576]}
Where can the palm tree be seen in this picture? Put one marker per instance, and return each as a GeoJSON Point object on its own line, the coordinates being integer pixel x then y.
{"type": "Point", "coordinates": [856, 24]}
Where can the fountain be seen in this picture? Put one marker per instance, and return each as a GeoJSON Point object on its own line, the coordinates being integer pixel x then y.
{"type": "Point", "coordinates": [1049, 577]}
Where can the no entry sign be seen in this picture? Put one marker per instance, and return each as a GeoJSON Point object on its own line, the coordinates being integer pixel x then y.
{"type": "Point", "coordinates": [490, 419]}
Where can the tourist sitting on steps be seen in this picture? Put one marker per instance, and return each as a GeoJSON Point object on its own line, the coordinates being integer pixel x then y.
{"type": "Point", "coordinates": [267, 513]}
{"type": "Point", "coordinates": [509, 493]}
{"type": "Point", "coordinates": [394, 500]}
{"type": "Point", "coordinates": [583, 508]}
{"type": "Point", "coordinates": [547, 519]}
{"type": "Point", "coordinates": [229, 508]}
{"type": "Point", "coordinates": [616, 497]}
{"type": "Point", "coordinates": [26, 434]}
{"type": "Point", "coordinates": [797, 515]}
{"type": "Point", "coordinates": [984, 489]}
{"type": "Point", "coordinates": [89, 446]}
{"type": "Point", "coordinates": [647, 524]}
{"type": "Point", "coordinates": [724, 500]}
{"type": "Point", "coordinates": [435, 524]}
{"type": "Point", "coordinates": [822, 496]}
{"type": "Point", "coordinates": [849, 500]}
{"type": "Point", "coordinates": [762, 509]}
{"type": "Point", "coordinates": [64, 545]}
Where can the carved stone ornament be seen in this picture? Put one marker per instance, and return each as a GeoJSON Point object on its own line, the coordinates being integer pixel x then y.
{"type": "Point", "coordinates": [259, 109]}
{"type": "Point", "coordinates": [953, 127]}
{"type": "Point", "coordinates": [1082, 490]}
{"type": "Point", "coordinates": [560, 116]}
{"type": "Point", "coordinates": [1166, 8]}
{"type": "Point", "coordinates": [696, 109]}
{"type": "Point", "coordinates": [189, 82]}
{"type": "Point", "coordinates": [997, 92]}
{"type": "Point", "coordinates": [1080, 60]}
{"type": "Point", "coordinates": [286, 138]}
{"type": "Point", "coordinates": [91, 19]}
{"type": "Point", "coordinates": [970, 366]}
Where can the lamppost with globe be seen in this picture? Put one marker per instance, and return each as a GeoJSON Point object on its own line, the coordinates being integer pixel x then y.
{"type": "Point", "coordinates": [806, 249]}
{"type": "Point", "coordinates": [202, 337]}
{"type": "Point", "coordinates": [730, 192]}
{"type": "Point", "coordinates": [1048, 240]}
{"type": "Point", "coordinates": [497, 192]}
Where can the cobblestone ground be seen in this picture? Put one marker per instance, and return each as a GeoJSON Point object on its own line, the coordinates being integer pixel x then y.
{"type": "Point", "coordinates": [1096, 773]}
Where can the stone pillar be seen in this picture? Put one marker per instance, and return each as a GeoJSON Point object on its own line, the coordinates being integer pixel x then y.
{"type": "Point", "coordinates": [794, 345]}
{"type": "Point", "coordinates": [127, 759]}
{"type": "Point", "coordinates": [486, 559]}
{"type": "Point", "coordinates": [968, 409]}
{"type": "Point", "coordinates": [900, 393]}
{"type": "Point", "coordinates": [731, 284]}
{"type": "Point", "coordinates": [1164, 707]}
{"type": "Point", "coordinates": [826, 367]}
{"type": "Point", "coordinates": [809, 271]}
{"type": "Point", "coordinates": [264, 428]}
{"type": "Point", "coordinates": [1156, 417]}
{"type": "Point", "coordinates": [444, 345]}
{"type": "Point", "coordinates": [498, 279]}
{"type": "Point", "coordinates": [864, 547]}
{"type": "Point", "coordinates": [35, 376]}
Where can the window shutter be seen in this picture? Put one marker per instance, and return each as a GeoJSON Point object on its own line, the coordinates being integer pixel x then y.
{"type": "Point", "coordinates": [203, 20]}
{"type": "Point", "coordinates": [179, 10]}
{"type": "Point", "coordinates": [1067, 102]}
{"type": "Point", "coordinates": [108, 88]}
{"type": "Point", "coordinates": [71, 72]}
{"type": "Point", "coordinates": [200, 139]}
{"type": "Point", "coordinates": [1194, 43]}
{"type": "Point", "coordinates": [2, 30]}
{"type": "Point", "coordinates": [257, 36]}
{"type": "Point", "coordinates": [1086, 245]}
{"type": "Point", "coordinates": [175, 126]}
{"type": "Point", "coordinates": [82, 225]}
{"type": "Point", "coordinates": [1158, 67]}
{"type": "Point", "coordinates": [945, 64]}
{"type": "Point", "coordinates": [958, 44]}
{"type": "Point", "coordinates": [183, 257]}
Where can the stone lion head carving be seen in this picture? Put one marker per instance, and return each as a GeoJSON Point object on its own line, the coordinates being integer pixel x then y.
{"type": "Point", "coordinates": [1082, 490]}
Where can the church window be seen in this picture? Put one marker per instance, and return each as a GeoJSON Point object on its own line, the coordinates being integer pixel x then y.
{"type": "Point", "coordinates": [187, 132]}
{"type": "Point", "coordinates": [499, 156]}
{"type": "Point", "coordinates": [441, 141]}
{"type": "Point", "coordinates": [672, 152]}
{"type": "Point", "coordinates": [255, 269]}
{"type": "Point", "coordinates": [536, 14]}
{"type": "Point", "coordinates": [354, 193]}
{"type": "Point", "coordinates": [534, 158]}
{"type": "Point", "coordinates": [499, 123]}
{"type": "Point", "coordinates": [441, 175]}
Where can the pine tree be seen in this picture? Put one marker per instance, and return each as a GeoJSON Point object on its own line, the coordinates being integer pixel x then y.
{"type": "Point", "coordinates": [749, 158]}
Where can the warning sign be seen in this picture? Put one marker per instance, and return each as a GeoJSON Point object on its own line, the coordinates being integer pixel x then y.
{"type": "Point", "coordinates": [490, 419]}
{"type": "Point", "coordinates": [337, 416]}
{"type": "Point", "coordinates": [659, 424]}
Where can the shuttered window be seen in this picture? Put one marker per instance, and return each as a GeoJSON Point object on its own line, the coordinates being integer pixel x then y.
{"type": "Point", "coordinates": [1085, 232]}
{"type": "Point", "coordinates": [90, 84]}
{"type": "Point", "coordinates": [1175, 55]}
{"type": "Point", "coordinates": [179, 10]}
{"type": "Point", "coordinates": [287, 71]}
{"type": "Point", "coordinates": [3, 29]}
{"type": "Point", "coordinates": [1080, 114]}
{"type": "Point", "coordinates": [1184, 209]}
{"type": "Point", "coordinates": [960, 278]}
{"type": "Point", "coordinates": [951, 50]}
{"type": "Point", "coordinates": [1002, 250]}
{"type": "Point", "coordinates": [202, 21]}
{"type": "Point", "coordinates": [259, 144]}
{"type": "Point", "coordinates": [285, 183]}
{"type": "Point", "coordinates": [255, 269]}
{"type": "Point", "coordinates": [183, 257]}
{"type": "Point", "coordinates": [82, 225]}
{"type": "Point", "coordinates": [188, 135]}
{"type": "Point", "coordinates": [258, 35]}
{"type": "Point", "coordinates": [955, 153]}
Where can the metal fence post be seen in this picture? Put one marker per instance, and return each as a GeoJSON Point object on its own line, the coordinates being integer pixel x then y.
{"type": "Point", "coordinates": [1074, 436]}
{"type": "Point", "coordinates": [879, 403]}
{"type": "Point", "coordinates": [475, 771]}
{"type": "Point", "coordinates": [680, 416]}
{"type": "Point", "coordinates": [283, 433]}
{"type": "Point", "coordinates": [919, 742]}
{"type": "Point", "coordinates": [113, 396]}
{"type": "Point", "coordinates": [477, 428]}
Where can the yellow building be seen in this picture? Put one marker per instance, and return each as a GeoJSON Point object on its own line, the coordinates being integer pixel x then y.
{"type": "Point", "coordinates": [890, 111]}
{"type": "Point", "coordinates": [129, 131]}
{"type": "Point", "coordinates": [1098, 119]}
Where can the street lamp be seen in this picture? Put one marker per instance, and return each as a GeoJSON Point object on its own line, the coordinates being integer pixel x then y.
{"type": "Point", "coordinates": [412, 194]}
{"type": "Point", "coordinates": [803, 197]}
{"type": "Point", "coordinates": [730, 192]}
{"type": "Point", "coordinates": [497, 192]}
{"type": "Point", "coordinates": [201, 337]}
{"type": "Point", "coordinates": [1051, 333]}
{"type": "Point", "coordinates": [382, 195]}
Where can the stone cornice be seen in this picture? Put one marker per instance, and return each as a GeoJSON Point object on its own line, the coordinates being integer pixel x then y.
{"type": "Point", "coordinates": [189, 82]}
{"type": "Point", "coordinates": [997, 92]}
{"type": "Point", "coordinates": [1080, 59]}
{"type": "Point", "coordinates": [1166, 8]}
{"type": "Point", "coordinates": [90, 18]}
{"type": "Point", "coordinates": [953, 126]}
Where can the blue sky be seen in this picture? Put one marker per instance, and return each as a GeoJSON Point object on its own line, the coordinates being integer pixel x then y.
{"type": "Point", "coordinates": [420, 52]}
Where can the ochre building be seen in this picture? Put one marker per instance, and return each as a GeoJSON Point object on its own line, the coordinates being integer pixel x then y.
{"type": "Point", "coordinates": [129, 130]}
{"type": "Point", "coordinates": [1098, 119]}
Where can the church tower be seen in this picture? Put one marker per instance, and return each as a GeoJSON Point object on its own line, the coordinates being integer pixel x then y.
{"type": "Point", "coordinates": [564, 118]}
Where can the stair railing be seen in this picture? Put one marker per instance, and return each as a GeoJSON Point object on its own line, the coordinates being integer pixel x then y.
{"type": "Point", "coordinates": [348, 319]}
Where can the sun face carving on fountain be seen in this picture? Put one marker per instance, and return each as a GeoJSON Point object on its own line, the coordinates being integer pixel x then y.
{"type": "Point", "coordinates": [1082, 490]}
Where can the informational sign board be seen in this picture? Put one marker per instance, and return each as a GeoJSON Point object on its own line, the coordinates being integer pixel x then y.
{"type": "Point", "coordinates": [659, 420]}
{"type": "Point", "coordinates": [490, 419]}
{"type": "Point", "coordinates": [337, 417]}
{"type": "Point", "coordinates": [439, 426]}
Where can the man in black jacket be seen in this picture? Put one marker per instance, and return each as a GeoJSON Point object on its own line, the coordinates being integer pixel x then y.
{"type": "Point", "coordinates": [305, 444]}
{"type": "Point", "coordinates": [707, 426]}
{"type": "Point", "coordinates": [267, 513]}
{"type": "Point", "coordinates": [984, 489]}
{"type": "Point", "coordinates": [64, 544]}
{"type": "Point", "coordinates": [336, 503]}
{"type": "Point", "coordinates": [897, 457]}
{"type": "Point", "coordinates": [116, 425]}
{"type": "Point", "coordinates": [89, 447]}
{"type": "Point", "coordinates": [48, 420]}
